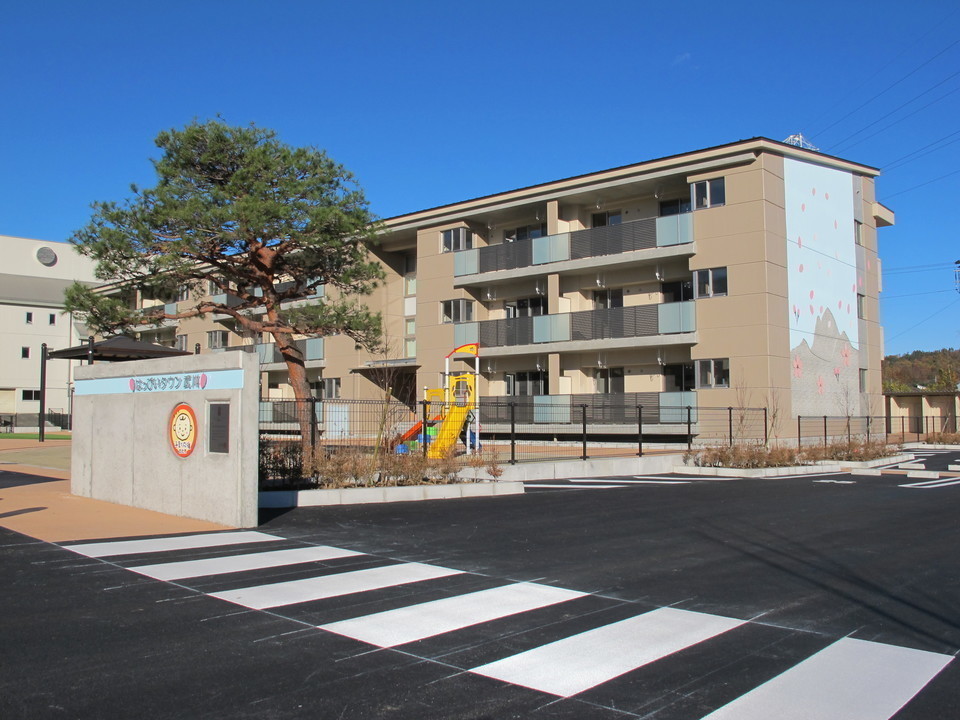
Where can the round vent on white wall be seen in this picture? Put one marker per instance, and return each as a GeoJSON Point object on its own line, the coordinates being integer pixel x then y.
{"type": "Point", "coordinates": [47, 256]}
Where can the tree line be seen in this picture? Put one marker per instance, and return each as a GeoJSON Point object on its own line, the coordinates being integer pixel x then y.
{"type": "Point", "coordinates": [922, 369]}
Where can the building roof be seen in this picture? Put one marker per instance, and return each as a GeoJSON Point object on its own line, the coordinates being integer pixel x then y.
{"type": "Point", "coordinates": [739, 151]}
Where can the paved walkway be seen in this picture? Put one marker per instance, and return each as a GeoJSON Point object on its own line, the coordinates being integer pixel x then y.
{"type": "Point", "coordinates": [35, 500]}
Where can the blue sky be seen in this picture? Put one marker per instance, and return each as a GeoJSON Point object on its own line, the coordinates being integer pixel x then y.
{"type": "Point", "coordinates": [432, 102]}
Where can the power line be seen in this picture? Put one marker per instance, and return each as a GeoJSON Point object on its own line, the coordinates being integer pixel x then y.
{"type": "Point", "coordinates": [929, 182]}
{"type": "Point", "coordinates": [902, 160]}
{"type": "Point", "coordinates": [929, 317]}
{"type": "Point", "coordinates": [891, 86]}
{"type": "Point", "coordinates": [838, 147]}
{"type": "Point", "coordinates": [931, 292]}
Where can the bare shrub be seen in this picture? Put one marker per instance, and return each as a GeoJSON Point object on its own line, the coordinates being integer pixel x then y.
{"type": "Point", "coordinates": [758, 456]}
{"type": "Point", "coordinates": [944, 438]}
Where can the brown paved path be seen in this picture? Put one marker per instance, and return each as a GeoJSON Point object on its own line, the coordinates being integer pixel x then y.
{"type": "Point", "coordinates": [36, 501]}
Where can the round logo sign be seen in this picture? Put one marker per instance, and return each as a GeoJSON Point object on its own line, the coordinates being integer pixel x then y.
{"type": "Point", "coordinates": [183, 430]}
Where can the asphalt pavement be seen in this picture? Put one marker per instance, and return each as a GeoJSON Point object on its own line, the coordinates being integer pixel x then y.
{"type": "Point", "coordinates": [831, 596]}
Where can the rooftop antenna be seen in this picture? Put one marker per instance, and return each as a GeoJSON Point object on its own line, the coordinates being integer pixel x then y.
{"type": "Point", "coordinates": [801, 142]}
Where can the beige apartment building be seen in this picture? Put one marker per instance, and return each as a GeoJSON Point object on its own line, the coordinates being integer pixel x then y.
{"type": "Point", "coordinates": [743, 275]}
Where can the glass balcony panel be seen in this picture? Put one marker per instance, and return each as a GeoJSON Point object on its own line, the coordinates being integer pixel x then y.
{"type": "Point", "coordinates": [464, 333]}
{"type": "Point", "coordinates": [313, 349]}
{"type": "Point", "coordinates": [677, 317]}
{"type": "Point", "coordinates": [673, 407]}
{"type": "Point", "coordinates": [466, 262]}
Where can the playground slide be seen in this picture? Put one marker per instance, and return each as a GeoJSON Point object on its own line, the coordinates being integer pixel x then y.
{"type": "Point", "coordinates": [449, 431]}
{"type": "Point", "coordinates": [414, 431]}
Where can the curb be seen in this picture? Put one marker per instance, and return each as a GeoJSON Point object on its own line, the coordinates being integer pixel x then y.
{"type": "Point", "coordinates": [757, 472]}
{"type": "Point", "coordinates": [405, 493]}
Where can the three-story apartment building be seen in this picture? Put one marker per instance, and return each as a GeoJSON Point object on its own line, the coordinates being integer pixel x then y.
{"type": "Point", "coordinates": [740, 275]}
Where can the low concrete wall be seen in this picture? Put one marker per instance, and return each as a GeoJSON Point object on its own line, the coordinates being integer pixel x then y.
{"type": "Point", "coordinates": [407, 493]}
{"type": "Point", "coordinates": [125, 442]}
{"type": "Point", "coordinates": [565, 469]}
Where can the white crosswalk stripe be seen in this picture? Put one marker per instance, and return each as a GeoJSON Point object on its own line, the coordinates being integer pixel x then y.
{"type": "Point", "coordinates": [260, 597]}
{"type": "Point", "coordinates": [848, 680]}
{"type": "Point", "coordinates": [239, 563]}
{"type": "Point", "coordinates": [570, 666]}
{"type": "Point", "coordinates": [162, 544]}
{"type": "Point", "coordinates": [407, 624]}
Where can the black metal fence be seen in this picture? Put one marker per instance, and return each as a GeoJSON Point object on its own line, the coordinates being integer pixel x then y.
{"type": "Point", "coordinates": [571, 426]}
{"type": "Point", "coordinates": [29, 422]}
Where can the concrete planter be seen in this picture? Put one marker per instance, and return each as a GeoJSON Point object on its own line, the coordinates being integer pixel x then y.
{"type": "Point", "coordinates": [405, 493]}
{"type": "Point", "coordinates": [756, 472]}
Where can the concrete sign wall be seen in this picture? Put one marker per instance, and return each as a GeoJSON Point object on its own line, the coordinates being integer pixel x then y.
{"type": "Point", "coordinates": [177, 435]}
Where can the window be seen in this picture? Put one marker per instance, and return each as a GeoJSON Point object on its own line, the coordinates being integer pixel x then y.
{"type": "Point", "coordinates": [713, 373]}
{"type": "Point", "coordinates": [24, 352]}
{"type": "Point", "coordinates": [858, 232]}
{"type": "Point", "coordinates": [455, 311]}
{"type": "Point", "coordinates": [183, 293]}
{"type": "Point", "coordinates": [326, 388]}
{"type": "Point", "coordinates": [863, 380]}
{"type": "Point", "coordinates": [30, 395]}
{"type": "Point", "coordinates": [680, 377]}
{"type": "Point", "coordinates": [677, 291]}
{"type": "Point", "coordinates": [602, 219]}
{"type": "Point", "coordinates": [609, 380]}
{"type": "Point", "coordinates": [181, 343]}
{"type": "Point", "coordinates": [710, 283]}
{"type": "Point", "coordinates": [457, 239]}
{"type": "Point", "coordinates": [52, 319]}
{"type": "Point", "coordinates": [526, 307]}
{"type": "Point", "coordinates": [674, 207]}
{"type": "Point", "coordinates": [410, 341]}
{"type": "Point", "coordinates": [861, 311]}
{"type": "Point", "coordinates": [410, 275]}
{"type": "Point", "coordinates": [29, 318]}
{"type": "Point", "coordinates": [217, 339]}
{"type": "Point", "coordinates": [532, 382]}
{"type": "Point", "coordinates": [708, 193]}
{"type": "Point", "coordinates": [212, 288]}
{"type": "Point", "coordinates": [606, 299]}
{"type": "Point", "coordinates": [527, 232]}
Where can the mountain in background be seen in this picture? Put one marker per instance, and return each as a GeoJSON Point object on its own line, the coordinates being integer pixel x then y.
{"type": "Point", "coordinates": [922, 370]}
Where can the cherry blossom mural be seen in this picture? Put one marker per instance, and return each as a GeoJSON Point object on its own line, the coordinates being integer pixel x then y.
{"type": "Point", "coordinates": [822, 290]}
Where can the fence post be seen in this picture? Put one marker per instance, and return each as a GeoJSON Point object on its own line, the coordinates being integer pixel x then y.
{"type": "Point", "coordinates": [730, 425]}
{"type": "Point", "coordinates": [583, 419]}
{"type": "Point", "coordinates": [423, 426]}
{"type": "Point", "coordinates": [868, 429]}
{"type": "Point", "coordinates": [799, 437]}
{"type": "Point", "coordinates": [848, 431]}
{"type": "Point", "coordinates": [903, 437]}
{"type": "Point", "coordinates": [513, 433]}
{"type": "Point", "coordinates": [766, 431]}
{"type": "Point", "coordinates": [313, 422]}
{"type": "Point", "coordinates": [639, 430]}
{"type": "Point", "coordinates": [824, 430]}
{"type": "Point", "coordinates": [689, 431]}
{"type": "Point", "coordinates": [41, 425]}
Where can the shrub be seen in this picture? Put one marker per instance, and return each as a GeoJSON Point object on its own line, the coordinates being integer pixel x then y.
{"type": "Point", "coordinates": [758, 456]}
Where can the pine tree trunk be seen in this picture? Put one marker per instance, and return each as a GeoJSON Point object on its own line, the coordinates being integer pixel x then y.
{"type": "Point", "coordinates": [297, 373]}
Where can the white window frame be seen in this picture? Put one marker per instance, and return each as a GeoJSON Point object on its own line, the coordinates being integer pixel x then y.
{"type": "Point", "coordinates": [456, 239]}
{"type": "Point", "coordinates": [52, 319]}
{"type": "Point", "coordinates": [708, 372]}
{"type": "Point", "coordinates": [861, 307]}
{"type": "Point", "coordinates": [456, 311]}
{"type": "Point", "coordinates": [29, 318]}
{"type": "Point", "coordinates": [710, 274]}
{"type": "Point", "coordinates": [711, 193]}
{"type": "Point", "coordinates": [180, 342]}
{"type": "Point", "coordinates": [218, 339]}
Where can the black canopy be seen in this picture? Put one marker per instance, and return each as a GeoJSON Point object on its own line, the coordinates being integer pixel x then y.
{"type": "Point", "coordinates": [117, 349]}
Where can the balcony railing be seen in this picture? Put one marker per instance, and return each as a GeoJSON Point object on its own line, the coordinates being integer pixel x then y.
{"type": "Point", "coordinates": [269, 352]}
{"type": "Point", "coordinates": [642, 234]}
{"type": "Point", "coordinates": [623, 322]}
{"type": "Point", "coordinates": [601, 408]}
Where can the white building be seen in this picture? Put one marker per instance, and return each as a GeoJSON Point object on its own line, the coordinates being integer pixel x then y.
{"type": "Point", "coordinates": [33, 276]}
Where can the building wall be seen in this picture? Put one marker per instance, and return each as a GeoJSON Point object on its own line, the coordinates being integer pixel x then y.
{"type": "Point", "coordinates": [37, 288]}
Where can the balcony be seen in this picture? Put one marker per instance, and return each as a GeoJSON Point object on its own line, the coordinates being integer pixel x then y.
{"type": "Point", "coordinates": [645, 234]}
{"type": "Point", "coordinates": [272, 359]}
{"type": "Point", "coordinates": [613, 324]}
{"type": "Point", "coordinates": [616, 413]}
